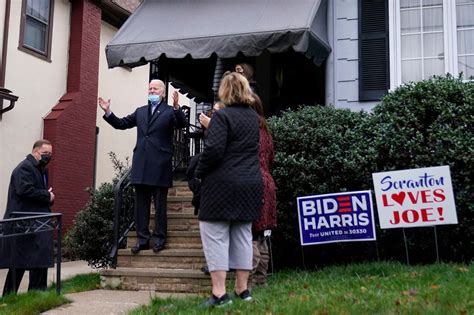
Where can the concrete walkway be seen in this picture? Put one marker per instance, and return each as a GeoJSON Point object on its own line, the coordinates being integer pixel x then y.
{"type": "Point", "coordinates": [92, 302]}
{"type": "Point", "coordinates": [68, 270]}
{"type": "Point", "coordinates": [106, 302]}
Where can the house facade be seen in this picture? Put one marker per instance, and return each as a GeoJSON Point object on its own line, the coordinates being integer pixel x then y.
{"type": "Point", "coordinates": [53, 60]}
{"type": "Point", "coordinates": [350, 54]}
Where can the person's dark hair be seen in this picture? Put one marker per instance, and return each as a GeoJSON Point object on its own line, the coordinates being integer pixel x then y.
{"type": "Point", "coordinates": [247, 70]}
{"type": "Point", "coordinates": [226, 73]}
{"type": "Point", "coordinates": [258, 106]}
{"type": "Point", "coordinates": [40, 143]}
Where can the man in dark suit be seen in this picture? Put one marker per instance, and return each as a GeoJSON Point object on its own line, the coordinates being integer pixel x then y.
{"type": "Point", "coordinates": [151, 164]}
{"type": "Point", "coordinates": [29, 192]}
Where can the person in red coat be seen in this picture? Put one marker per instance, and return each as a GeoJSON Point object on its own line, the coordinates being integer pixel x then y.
{"type": "Point", "coordinates": [268, 219]}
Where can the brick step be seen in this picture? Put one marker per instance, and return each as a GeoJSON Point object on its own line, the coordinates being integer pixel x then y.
{"type": "Point", "coordinates": [176, 239]}
{"type": "Point", "coordinates": [156, 279]}
{"type": "Point", "coordinates": [178, 204]}
{"type": "Point", "coordinates": [179, 189]}
{"type": "Point", "coordinates": [178, 221]}
{"type": "Point", "coordinates": [167, 258]}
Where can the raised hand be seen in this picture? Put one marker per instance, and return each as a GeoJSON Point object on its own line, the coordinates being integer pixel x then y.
{"type": "Point", "coordinates": [175, 100]}
{"type": "Point", "coordinates": [104, 104]}
{"type": "Point", "coordinates": [51, 195]}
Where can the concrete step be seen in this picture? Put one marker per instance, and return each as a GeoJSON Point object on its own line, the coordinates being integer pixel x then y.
{"type": "Point", "coordinates": [178, 204]}
{"type": "Point", "coordinates": [178, 221]}
{"type": "Point", "coordinates": [176, 239]}
{"type": "Point", "coordinates": [156, 279]}
{"type": "Point", "coordinates": [167, 258]}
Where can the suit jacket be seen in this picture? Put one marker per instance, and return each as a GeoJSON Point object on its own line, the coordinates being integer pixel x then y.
{"type": "Point", "coordinates": [153, 152]}
{"type": "Point", "coordinates": [231, 186]}
{"type": "Point", "coordinates": [28, 192]}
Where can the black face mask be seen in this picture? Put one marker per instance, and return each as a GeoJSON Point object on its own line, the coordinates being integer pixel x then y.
{"type": "Point", "coordinates": [45, 158]}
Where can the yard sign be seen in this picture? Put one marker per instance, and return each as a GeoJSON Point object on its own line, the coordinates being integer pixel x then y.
{"type": "Point", "coordinates": [415, 197]}
{"type": "Point", "coordinates": [341, 217]}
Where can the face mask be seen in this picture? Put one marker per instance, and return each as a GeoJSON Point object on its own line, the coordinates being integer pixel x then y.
{"type": "Point", "coordinates": [45, 158]}
{"type": "Point", "coordinates": [154, 99]}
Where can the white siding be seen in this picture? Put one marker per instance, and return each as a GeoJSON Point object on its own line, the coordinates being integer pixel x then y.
{"type": "Point", "coordinates": [127, 89]}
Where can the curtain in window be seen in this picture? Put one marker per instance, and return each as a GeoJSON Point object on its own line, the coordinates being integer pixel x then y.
{"type": "Point", "coordinates": [422, 39]}
{"type": "Point", "coordinates": [36, 26]}
{"type": "Point", "coordinates": [465, 39]}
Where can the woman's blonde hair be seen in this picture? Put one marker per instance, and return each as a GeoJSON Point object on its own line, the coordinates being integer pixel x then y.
{"type": "Point", "coordinates": [235, 89]}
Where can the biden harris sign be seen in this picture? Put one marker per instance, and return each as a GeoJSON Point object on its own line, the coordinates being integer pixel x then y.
{"type": "Point", "coordinates": [340, 217]}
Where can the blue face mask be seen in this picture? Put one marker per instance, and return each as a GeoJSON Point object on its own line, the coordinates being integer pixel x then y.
{"type": "Point", "coordinates": [154, 99]}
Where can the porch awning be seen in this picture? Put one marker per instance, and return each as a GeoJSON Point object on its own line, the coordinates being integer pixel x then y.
{"type": "Point", "coordinates": [200, 28]}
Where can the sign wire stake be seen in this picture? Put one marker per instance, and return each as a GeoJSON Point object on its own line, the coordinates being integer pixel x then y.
{"type": "Point", "coordinates": [436, 244]}
{"type": "Point", "coordinates": [406, 246]}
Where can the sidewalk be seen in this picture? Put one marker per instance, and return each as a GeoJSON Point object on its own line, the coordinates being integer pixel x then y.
{"type": "Point", "coordinates": [92, 302]}
{"type": "Point", "coordinates": [107, 302]}
{"type": "Point", "coordinates": [68, 270]}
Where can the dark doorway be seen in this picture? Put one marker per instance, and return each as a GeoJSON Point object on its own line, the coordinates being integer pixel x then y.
{"type": "Point", "coordinates": [285, 80]}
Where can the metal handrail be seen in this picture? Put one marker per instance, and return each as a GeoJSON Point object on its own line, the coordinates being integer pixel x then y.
{"type": "Point", "coordinates": [119, 236]}
{"type": "Point", "coordinates": [33, 223]}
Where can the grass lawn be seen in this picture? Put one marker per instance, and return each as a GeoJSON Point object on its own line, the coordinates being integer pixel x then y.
{"type": "Point", "coordinates": [35, 302]}
{"type": "Point", "coordinates": [371, 288]}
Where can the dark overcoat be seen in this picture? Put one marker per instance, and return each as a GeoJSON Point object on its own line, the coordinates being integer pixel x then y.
{"type": "Point", "coordinates": [231, 182]}
{"type": "Point", "coordinates": [28, 192]}
{"type": "Point", "coordinates": [153, 152]}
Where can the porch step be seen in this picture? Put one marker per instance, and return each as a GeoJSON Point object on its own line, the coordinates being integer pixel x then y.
{"type": "Point", "coordinates": [191, 259]}
{"type": "Point", "coordinates": [178, 204]}
{"type": "Point", "coordinates": [178, 221]}
{"type": "Point", "coordinates": [156, 279]}
{"type": "Point", "coordinates": [175, 239]}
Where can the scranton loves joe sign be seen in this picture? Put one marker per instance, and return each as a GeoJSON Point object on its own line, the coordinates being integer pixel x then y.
{"type": "Point", "coordinates": [341, 217]}
{"type": "Point", "coordinates": [416, 197]}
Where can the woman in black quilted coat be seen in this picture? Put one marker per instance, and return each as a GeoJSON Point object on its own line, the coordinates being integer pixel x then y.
{"type": "Point", "coordinates": [231, 191]}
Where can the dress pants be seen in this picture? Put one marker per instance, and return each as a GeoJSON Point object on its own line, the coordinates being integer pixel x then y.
{"type": "Point", "coordinates": [143, 195]}
{"type": "Point", "coordinates": [38, 279]}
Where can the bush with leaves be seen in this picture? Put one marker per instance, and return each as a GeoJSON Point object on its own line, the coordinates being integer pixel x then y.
{"type": "Point", "coordinates": [325, 150]}
{"type": "Point", "coordinates": [318, 150]}
{"type": "Point", "coordinates": [431, 123]}
{"type": "Point", "coordinates": [91, 236]}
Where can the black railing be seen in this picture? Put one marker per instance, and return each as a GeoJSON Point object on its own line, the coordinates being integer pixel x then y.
{"type": "Point", "coordinates": [27, 223]}
{"type": "Point", "coordinates": [187, 142]}
{"type": "Point", "coordinates": [123, 215]}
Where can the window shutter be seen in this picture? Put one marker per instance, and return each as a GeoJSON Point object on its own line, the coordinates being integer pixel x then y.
{"type": "Point", "coordinates": [374, 75]}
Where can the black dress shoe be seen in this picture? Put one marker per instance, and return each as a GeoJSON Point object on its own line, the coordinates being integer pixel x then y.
{"type": "Point", "coordinates": [159, 246]}
{"type": "Point", "coordinates": [137, 248]}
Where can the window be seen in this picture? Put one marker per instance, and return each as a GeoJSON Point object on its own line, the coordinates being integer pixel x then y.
{"type": "Point", "coordinates": [36, 27]}
{"type": "Point", "coordinates": [430, 37]}
{"type": "Point", "coordinates": [465, 37]}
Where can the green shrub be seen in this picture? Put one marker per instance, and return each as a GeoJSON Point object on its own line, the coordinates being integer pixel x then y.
{"type": "Point", "coordinates": [318, 150]}
{"type": "Point", "coordinates": [91, 236]}
{"type": "Point", "coordinates": [326, 150]}
{"type": "Point", "coordinates": [430, 123]}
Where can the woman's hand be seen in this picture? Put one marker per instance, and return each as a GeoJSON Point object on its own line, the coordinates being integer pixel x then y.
{"type": "Point", "coordinates": [204, 120]}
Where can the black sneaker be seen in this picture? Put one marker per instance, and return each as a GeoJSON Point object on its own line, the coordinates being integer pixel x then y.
{"type": "Point", "coordinates": [217, 302]}
{"type": "Point", "coordinates": [244, 295]}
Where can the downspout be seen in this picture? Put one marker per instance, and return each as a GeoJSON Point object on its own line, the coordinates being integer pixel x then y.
{"type": "Point", "coordinates": [3, 64]}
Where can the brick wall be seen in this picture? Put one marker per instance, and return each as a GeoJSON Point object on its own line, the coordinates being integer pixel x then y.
{"type": "Point", "coordinates": [71, 125]}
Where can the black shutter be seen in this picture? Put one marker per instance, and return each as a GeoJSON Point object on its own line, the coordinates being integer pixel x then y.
{"type": "Point", "coordinates": [374, 73]}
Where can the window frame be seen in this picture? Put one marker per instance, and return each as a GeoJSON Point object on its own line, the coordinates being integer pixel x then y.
{"type": "Point", "coordinates": [31, 50]}
{"type": "Point", "coordinates": [449, 38]}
